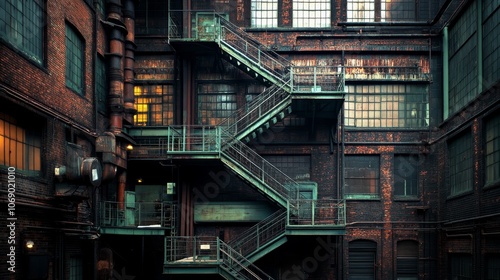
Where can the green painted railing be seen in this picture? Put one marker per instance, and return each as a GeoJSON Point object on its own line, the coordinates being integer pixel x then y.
{"type": "Point", "coordinates": [188, 250]}
{"type": "Point", "coordinates": [138, 214]}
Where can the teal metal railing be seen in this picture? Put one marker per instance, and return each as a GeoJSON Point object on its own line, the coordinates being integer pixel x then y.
{"type": "Point", "coordinates": [208, 250]}
{"type": "Point", "coordinates": [137, 214]}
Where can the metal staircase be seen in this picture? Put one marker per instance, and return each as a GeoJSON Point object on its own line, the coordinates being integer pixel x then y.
{"type": "Point", "coordinates": [187, 29]}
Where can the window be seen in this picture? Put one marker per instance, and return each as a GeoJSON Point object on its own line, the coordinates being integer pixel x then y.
{"type": "Point", "coordinates": [406, 176]}
{"type": "Point", "coordinates": [20, 147]}
{"type": "Point", "coordinates": [22, 24]}
{"type": "Point", "coordinates": [361, 177]}
{"type": "Point", "coordinates": [493, 150]}
{"type": "Point", "coordinates": [297, 167]}
{"type": "Point", "coordinates": [399, 10]}
{"type": "Point", "coordinates": [75, 60]}
{"type": "Point", "coordinates": [360, 10]}
{"type": "Point", "coordinates": [362, 259]}
{"type": "Point", "coordinates": [388, 10]}
{"type": "Point", "coordinates": [460, 164]}
{"type": "Point", "coordinates": [101, 85]}
{"type": "Point", "coordinates": [391, 105]}
{"type": "Point", "coordinates": [407, 260]}
{"type": "Point", "coordinates": [151, 17]}
{"type": "Point", "coordinates": [216, 102]}
{"type": "Point", "coordinates": [491, 43]}
{"type": "Point", "coordinates": [154, 105]}
{"type": "Point", "coordinates": [492, 267]}
{"type": "Point", "coordinates": [460, 266]}
{"type": "Point", "coordinates": [75, 268]}
{"type": "Point", "coordinates": [311, 13]}
{"type": "Point", "coordinates": [264, 13]}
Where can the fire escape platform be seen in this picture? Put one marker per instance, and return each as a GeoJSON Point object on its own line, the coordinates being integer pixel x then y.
{"type": "Point", "coordinates": [312, 230]}
{"type": "Point", "coordinates": [134, 230]}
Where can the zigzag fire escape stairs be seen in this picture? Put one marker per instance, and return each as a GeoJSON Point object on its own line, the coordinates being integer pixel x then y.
{"type": "Point", "coordinates": [226, 142]}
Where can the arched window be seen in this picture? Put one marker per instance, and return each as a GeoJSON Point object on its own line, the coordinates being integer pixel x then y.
{"type": "Point", "coordinates": [407, 260]}
{"type": "Point", "coordinates": [362, 256]}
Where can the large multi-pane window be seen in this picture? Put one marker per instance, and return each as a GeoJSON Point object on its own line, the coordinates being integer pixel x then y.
{"type": "Point", "coordinates": [460, 173]}
{"type": "Point", "coordinates": [360, 10]}
{"type": "Point", "coordinates": [75, 60]}
{"type": "Point", "coordinates": [20, 147]}
{"type": "Point", "coordinates": [362, 176]}
{"type": "Point", "coordinates": [460, 266]}
{"type": "Point", "coordinates": [491, 42]}
{"type": "Point", "coordinates": [311, 13]}
{"type": "Point", "coordinates": [388, 10]}
{"type": "Point", "coordinates": [264, 13]}
{"type": "Point", "coordinates": [463, 51]}
{"type": "Point", "coordinates": [399, 10]}
{"type": "Point", "coordinates": [22, 24]}
{"type": "Point", "coordinates": [216, 102]}
{"type": "Point", "coordinates": [407, 260]}
{"type": "Point", "coordinates": [297, 167]}
{"type": "Point", "coordinates": [492, 150]}
{"type": "Point", "coordinates": [154, 105]}
{"type": "Point", "coordinates": [406, 176]}
{"type": "Point", "coordinates": [390, 105]}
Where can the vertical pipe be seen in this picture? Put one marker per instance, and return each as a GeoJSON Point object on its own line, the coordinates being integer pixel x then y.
{"type": "Point", "coordinates": [120, 194]}
{"type": "Point", "coordinates": [128, 70]}
{"type": "Point", "coordinates": [445, 74]}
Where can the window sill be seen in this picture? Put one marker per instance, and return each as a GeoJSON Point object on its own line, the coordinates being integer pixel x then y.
{"type": "Point", "coordinates": [406, 198]}
{"type": "Point", "coordinates": [491, 185]}
{"type": "Point", "coordinates": [374, 197]}
{"type": "Point", "coordinates": [459, 195]}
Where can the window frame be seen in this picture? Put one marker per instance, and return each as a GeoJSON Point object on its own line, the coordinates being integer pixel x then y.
{"type": "Point", "coordinates": [375, 179]}
{"type": "Point", "coordinates": [75, 60]}
{"type": "Point", "coordinates": [164, 113]}
{"type": "Point", "coordinates": [410, 169]}
{"type": "Point", "coordinates": [325, 9]}
{"type": "Point", "coordinates": [490, 142]}
{"type": "Point", "coordinates": [27, 139]}
{"type": "Point", "coordinates": [407, 265]}
{"type": "Point", "coordinates": [270, 22]}
{"type": "Point", "coordinates": [460, 164]}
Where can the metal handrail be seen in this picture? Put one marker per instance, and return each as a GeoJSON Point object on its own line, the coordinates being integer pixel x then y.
{"type": "Point", "coordinates": [239, 264]}
{"type": "Point", "coordinates": [125, 214]}
{"type": "Point", "coordinates": [260, 234]}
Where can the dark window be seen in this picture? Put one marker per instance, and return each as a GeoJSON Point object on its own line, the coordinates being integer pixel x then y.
{"type": "Point", "coordinates": [491, 43]}
{"type": "Point", "coordinates": [407, 260]}
{"type": "Point", "coordinates": [151, 17]}
{"type": "Point", "coordinates": [493, 150]}
{"type": "Point", "coordinates": [460, 266]}
{"type": "Point", "coordinates": [406, 175]}
{"type": "Point", "coordinates": [362, 256]}
{"type": "Point", "coordinates": [22, 24]}
{"type": "Point", "coordinates": [492, 267]}
{"type": "Point", "coordinates": [361, 177]}
{"type": "Point", "coordinates": [460, 177]}
{"type": "Point", "coordinates": [154, 105]}
{"type": "Point", "coordinates": [101, 85]}
{"type": "Point", "coordinates": [296, 167]}
{"type": "Point", "coordinates": [75, 60]}
{"type": "Point", "coordinates": [20, 146]}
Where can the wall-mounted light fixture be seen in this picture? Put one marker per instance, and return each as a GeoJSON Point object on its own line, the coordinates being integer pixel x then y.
{"type": "Point", "coordinates": [30, 244]}
{"type": "Point", "coordinates": [130, 147]}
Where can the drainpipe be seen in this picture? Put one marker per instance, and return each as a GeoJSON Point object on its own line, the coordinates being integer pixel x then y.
{"type": "Point", "coordinates": [130, 47]}
{"type": "Point", "coordinates": [445, 74]}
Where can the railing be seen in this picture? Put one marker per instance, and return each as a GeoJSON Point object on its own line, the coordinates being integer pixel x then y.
{"type": "Point", "coordinates": [264, 103]}
{"type": "Point", "coordinates": [259, 168]}
{"type": "Point", "coordinates": [260, 234]}
{"type": "Point", "coordinates": [318, 79]}
{"type": "Point", "coordinates": [139, 214]}
{"type": "Point", "coordinates": [394, 73]}
{"type": "Point", "coordinates": [193, 139]}
{"type": "Point", "coordinates": [317, 212]}
{"type": "Point", "coordinates": [188, 250]}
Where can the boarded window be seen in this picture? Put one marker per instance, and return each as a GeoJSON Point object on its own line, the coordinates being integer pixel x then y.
{"type": "Point", "coordinates": [362, 256]}
{"type": "Point", "coordinates": [407, 260]}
